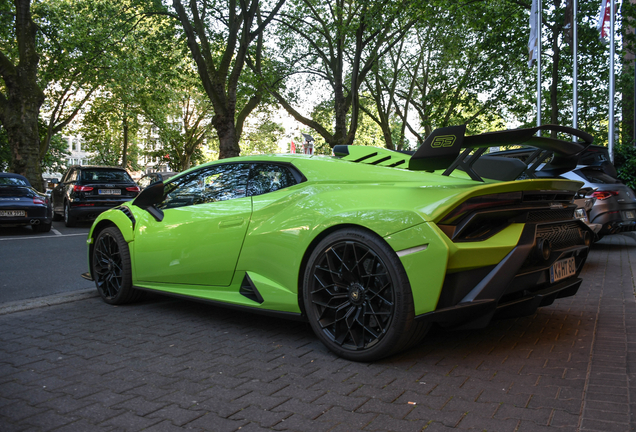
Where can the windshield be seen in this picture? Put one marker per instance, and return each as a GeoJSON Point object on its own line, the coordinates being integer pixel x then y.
{"type": "Point", "coordinates": [102, 175]}
{"type": "Point", "coordinates": [12, 181]}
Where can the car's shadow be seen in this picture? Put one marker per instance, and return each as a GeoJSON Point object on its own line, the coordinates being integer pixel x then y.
{"type": "Point", "coordinates": [497, 339]}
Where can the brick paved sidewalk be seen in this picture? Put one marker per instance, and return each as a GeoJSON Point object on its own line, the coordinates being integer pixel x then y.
{"type": "Point", "coordinates": [167, 364]}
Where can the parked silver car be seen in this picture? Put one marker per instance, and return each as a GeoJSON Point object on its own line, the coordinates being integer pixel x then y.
{"type": "Point", "coordinates": [615, 205]}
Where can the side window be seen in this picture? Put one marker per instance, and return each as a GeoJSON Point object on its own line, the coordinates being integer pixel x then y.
{"type": "Point", "coordinates": [266, 178]}
{"type": "Point", "coordinates": [71, 176]}
{"type": "Point", "coordinates": [207, 185]}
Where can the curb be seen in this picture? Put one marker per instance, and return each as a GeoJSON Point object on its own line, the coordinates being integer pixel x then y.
{"type": "Point", "coordinates": [56, 299]}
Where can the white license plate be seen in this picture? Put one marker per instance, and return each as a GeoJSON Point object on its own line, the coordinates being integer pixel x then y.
{"type": "Point", "coordinates": [630, 214]}
{"type": "Point", "coordinates": [10, 213]}
{"type": "Point", "coordinates": [110, 191]}
{"type": "Point", "coordinates": [562, 269]}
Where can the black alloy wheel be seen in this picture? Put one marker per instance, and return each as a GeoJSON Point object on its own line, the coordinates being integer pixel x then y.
{"type": "Point", "coordinates": [69, 218]}
{"type": "Point", "coordinates": [358, 298]}
{"type": "Point", "coordinates": [111, 268]}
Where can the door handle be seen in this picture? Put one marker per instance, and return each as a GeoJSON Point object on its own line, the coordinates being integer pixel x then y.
{"type": "Point", "coordinates": [231, 223]}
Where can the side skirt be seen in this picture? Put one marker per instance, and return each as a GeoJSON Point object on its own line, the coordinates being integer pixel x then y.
{"type": "Point", "coordinates": [294, 316]}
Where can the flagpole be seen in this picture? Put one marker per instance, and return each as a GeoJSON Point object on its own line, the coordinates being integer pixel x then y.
{"type": "Point", "coordinates": [539, 16]}
{"type": "Point", "coordinates": [611, 85]}
{"type": "Point", "coordinates": [575, 72]}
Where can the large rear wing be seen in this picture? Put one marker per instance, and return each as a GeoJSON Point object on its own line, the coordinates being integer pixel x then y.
{"type": "Point", "coordinates": [443, 150]}
{"type": "Point", "coordinates": [449, 149]}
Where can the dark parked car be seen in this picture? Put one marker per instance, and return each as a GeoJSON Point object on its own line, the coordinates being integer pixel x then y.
{"type": "Point", "coordinates": [155, 177]}
{"type": "Point", "coordinates": [20, 204]}
{"type": "Point", "coordinates": [86, 191]}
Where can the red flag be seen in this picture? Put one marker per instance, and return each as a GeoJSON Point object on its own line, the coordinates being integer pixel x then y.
{"type": "Point", "coordinates": [604, 18]}
{"type": "Point", "coordinates": [293, 147]}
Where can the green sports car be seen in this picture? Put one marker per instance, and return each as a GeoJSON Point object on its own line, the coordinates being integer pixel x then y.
{"type": "Point", "coordinates": [370, 246]}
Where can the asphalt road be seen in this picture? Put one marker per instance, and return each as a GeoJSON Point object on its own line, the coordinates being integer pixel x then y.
{"type": "Point", "coordinates": [41, 264]}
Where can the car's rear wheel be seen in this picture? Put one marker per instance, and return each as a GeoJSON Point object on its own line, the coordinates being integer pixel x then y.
{"type": "Point", "coordinates": [69, 218]}
{"type": "Point", "coordinates": [111, 268]}
{"type": "Point", "coordinates": [358, 298]}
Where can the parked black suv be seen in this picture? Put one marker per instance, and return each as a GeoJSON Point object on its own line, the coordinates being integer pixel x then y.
{"type": "Point", "coordinates": [86, 191]}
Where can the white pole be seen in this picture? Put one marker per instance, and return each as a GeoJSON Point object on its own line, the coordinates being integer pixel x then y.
{"type": "Point", "coordinates": [575, 72]}
{"type": "Point", "coordinates": [611, 85]}
{"type": "Point", "coordinates": [539, 23]}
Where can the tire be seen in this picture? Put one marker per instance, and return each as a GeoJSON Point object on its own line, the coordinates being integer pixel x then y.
{"type": "Point", "coordinates": [41, 228]}
{"type": "Point", "coordinates": [69, 219]}
{"type": "Point", "coordinates": [55, 216]}
{"type": "Point", "coordinates": [111, 268]}
{"type": "Point", "coordinates": [358, 298]}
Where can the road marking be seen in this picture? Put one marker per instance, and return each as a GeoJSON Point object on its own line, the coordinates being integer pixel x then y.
{"type": "Point", "coordinates": [44, 237]}
{"type": "Point", "coordinates": [56, 231]}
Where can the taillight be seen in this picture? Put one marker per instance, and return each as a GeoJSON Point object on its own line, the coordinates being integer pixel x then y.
{"type": "Point", "coordinates": [78, 188]}
{"type": "Point", "coordinates": [482, 202]}
{"type": "Point", "coordinates": [603, 195]}
{"type": "Point", "coordinates": [40, 201]}
{"type": "Point", "coordinates": [133, 189]}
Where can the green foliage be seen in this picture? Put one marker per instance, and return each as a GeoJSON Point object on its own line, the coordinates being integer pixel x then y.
{"type": "Point", "coordinates": [102, 130]}
{"type": "Point", "coordinates": [182, 115]}
{"type": "Point", "coordinates": [261, 137]}
{"type": "Point", "coordinates": [625, 162]}
{"type": "Point", "coordinates": [55, 159]}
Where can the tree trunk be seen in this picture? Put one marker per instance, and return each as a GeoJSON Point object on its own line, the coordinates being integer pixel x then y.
{"type": "Point", "coordinates": [228, 141]}
{"type": "Point", "coordinates": [20, 107]}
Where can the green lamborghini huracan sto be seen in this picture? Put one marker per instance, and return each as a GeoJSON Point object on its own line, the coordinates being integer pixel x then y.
{"type": "Point", "coordinates": [370, 246]}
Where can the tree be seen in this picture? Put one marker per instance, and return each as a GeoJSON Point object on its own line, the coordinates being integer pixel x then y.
{"type": "Point", "coordinates": [55, 158]}
{"type": "Point", "coordinates": [333, 46]}
{"type": "Point", "coordinates": [143, 65]}
{"type": "Point", "coordinates": [21, 95]}
{"type": "Point", "coordinates": [261, 136]}
{"type": "Point", "coordinates": [220, 36]}
{"type": "Point", "coordinates": [182, 116]}
{"type": "Point", "coordinates": [103, 129]}
{"type": "Point", "coordinates": [467, 66]}
{"type": "Point", "coordinates": [77, 41]}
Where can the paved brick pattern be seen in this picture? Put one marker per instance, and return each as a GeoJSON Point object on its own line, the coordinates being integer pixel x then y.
{"type": "Point", "coordinates": [167, 365]}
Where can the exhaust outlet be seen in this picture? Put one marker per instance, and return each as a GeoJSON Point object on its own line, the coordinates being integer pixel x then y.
{"type": "Point", "coordinates": [34, 221]}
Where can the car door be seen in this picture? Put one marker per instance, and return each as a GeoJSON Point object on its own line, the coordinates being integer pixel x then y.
{"type": "Point", "coordinates": [59, 192]}
{"type": "Point", "coordinates": [206, 215]}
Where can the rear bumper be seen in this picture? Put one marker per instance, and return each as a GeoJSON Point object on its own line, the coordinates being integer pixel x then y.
{"type": "Point", "coordinates": [34, 216]}
{"type": "Point", "coordinates": [84, 210]}
{"type": "Point", "coordinates": [517, 286]}
{"type": "Point", "coordinates": [24, 221]}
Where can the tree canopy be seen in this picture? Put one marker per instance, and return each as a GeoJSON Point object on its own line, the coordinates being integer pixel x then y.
{"type": "Point", "coordinates": [146, 79]}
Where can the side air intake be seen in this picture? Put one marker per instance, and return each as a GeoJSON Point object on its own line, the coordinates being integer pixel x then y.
{"type": "Point", "coordinates": [249, 290]}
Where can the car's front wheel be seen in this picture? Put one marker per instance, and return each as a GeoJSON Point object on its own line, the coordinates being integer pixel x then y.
{"type": "Point", "coordinates": [358, 298]}
{"type": "Point", "coordinates": [112, 270]}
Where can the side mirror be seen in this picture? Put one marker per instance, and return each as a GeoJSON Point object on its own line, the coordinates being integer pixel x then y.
{"type": "Point", "coordinates": [147, 199]}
